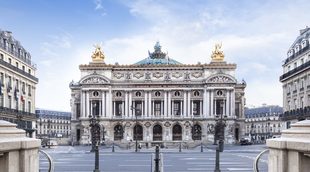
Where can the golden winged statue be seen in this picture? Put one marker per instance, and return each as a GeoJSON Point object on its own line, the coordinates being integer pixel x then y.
{"type": "Point", "coordinates": [217, 54]}
{"type": "Point", "coordinates": [98, 55]}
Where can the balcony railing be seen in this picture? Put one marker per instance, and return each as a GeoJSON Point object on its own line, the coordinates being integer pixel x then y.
{"type": "Point", "coordinates": [295, 71]}
{"type": "Point", "coordinates": [8, 65]}
{"type": "Point", "coordinates": [300, 113]}
{"type": "Point", "coordinates": [4, 110]}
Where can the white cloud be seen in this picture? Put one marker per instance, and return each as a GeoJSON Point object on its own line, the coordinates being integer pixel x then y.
{"type": "Point", "coordinates": [98, 4]}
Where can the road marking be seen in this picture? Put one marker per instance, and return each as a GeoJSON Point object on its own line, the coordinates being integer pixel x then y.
{"type": "Point", "coordinates": [239, 169]}
{"type": "Point", "coordinates": [132, 165]}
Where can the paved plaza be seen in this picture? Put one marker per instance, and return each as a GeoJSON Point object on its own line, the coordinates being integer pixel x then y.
{"type": "Point", "coordinates": [79, 159]}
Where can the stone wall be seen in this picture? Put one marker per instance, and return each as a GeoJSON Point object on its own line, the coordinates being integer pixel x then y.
{"type": "Point", "coordinates": [18, 153]}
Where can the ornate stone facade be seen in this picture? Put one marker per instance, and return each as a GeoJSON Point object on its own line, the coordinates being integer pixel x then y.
{"type": "Point", "coordinates": [157, 100]}
{"type": "Point", "coordinates": [17, 84]}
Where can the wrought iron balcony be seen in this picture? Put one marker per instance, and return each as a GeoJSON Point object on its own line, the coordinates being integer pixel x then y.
{"type": "Point", "coordinates": [4, 110]}
{"type": "Point", "coordinates": [10, 66]}
{"type": "Point", "coordinates": [300, 113]}
{"type": "Point", "coordinates": [295, 71]}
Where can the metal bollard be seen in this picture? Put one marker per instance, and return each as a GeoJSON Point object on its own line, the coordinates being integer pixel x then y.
{"type": "Point", "coordinates": [157, 159]}
{"type": "Point", "coordinates": [113, 147]}
{"type": "Point", "coordinates": [180, 147]}
{"type": "Point", "coordinates": [201, 147]}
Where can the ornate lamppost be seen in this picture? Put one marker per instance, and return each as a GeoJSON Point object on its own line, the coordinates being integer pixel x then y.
{"type": "Point", "coordinates": [220, 132]}
{"type": "Point", "coordinates": [95, 136]}
{"type": "Point", "coordinates": [137, 112]}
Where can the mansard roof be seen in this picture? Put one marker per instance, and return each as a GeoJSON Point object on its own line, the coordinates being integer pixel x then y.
{"type": "Point", "coordinates": [157, 58]}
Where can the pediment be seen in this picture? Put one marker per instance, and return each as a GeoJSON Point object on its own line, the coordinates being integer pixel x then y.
{"type": "Point", "coordinates": [94, 79]}
{"type": "Point", "coordinates": [221, 79]}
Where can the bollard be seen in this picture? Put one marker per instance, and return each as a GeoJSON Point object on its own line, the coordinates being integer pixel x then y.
{"type": "Point", "coordinates": [156, 159]}
{"type": "Point", "coordinates": [113, 147]}
{"type": "Point", "coordinates": [96, 158]}
{"type": "Point", "coordinates": [180, 147]}
{"type": "Point", "coordinates": [201, 147]}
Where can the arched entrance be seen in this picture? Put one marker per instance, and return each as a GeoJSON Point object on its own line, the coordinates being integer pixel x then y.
{"type": "Point", "coordinates": [138, 132]}
{"type": "Point", "coordinates": [196, 132]}
{"type": "Point", "coordinates": [157, 133]}
{"type": "Point", "coordinates": [177, 132]}
{"type": "Point", "coordinates": [118, 132]}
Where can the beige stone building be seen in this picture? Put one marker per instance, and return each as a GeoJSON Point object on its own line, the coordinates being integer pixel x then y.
{"type": "Point", "coordinates": [263, 122]}
{"type": "Point", "coordinates": [51, 123]}
{"type": "Point", "coordinates": [296, 80]}
{"type": "Point", "coordinates": [157, 100]}
{"type": "Point", "coordinates": [17, 84]}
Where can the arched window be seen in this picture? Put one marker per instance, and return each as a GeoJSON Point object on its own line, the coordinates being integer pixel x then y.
{"type": "Point", "coordinates": [95, 93]}
{"type": "Point", "coordinates": [196, 132]}
{"type": "Point", "coordinates": [138, 132]}
{"type": "Point", "coordinates": [118, 132]}
{"type": "Point", "coordinates": [177, 132]}
{"type": "Point", "coordinates": [157, 133]}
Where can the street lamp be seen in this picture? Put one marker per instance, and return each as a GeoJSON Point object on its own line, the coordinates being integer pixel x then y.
{"type": "Point", "coordinates": [137, 112]}
{"type": "Point", "coordinates": [95, 136]}
{"type": "Point", "coordinates": [40, 127]}
{"type": "Point", "coordinates": [220, 132]}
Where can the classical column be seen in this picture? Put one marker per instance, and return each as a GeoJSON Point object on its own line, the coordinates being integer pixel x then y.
{"type": "Point", "coordinates": [126, 104]}
{"type": "Point", "coordinates": [142, 109]}
{"type": "Point", "coordinates": [184, 104]}
{"type": "Point", "coordinates": [181, 109]}
{"type": "Point", "coordinates": [162, 109]}
{"type": "Point", "coordinates": [82, 104]}
{"type": "Point", "coordinates": [100, 109]}
{"type": "Point", "coordinates": [114, 108]}
{"type": "Point", "coordinates": [233, 103]}
{"type": "Point", "coordinates": [153, 109]}
{"type": "Point", "coordinates": [169, 104]}
{"type": "Point", "coordinates": [211, 103]}
{"type": "Point", "coordinates": [109, 104]}
{"type": "Point", "coordinates": [172, 107]}
{"type": "Point", "coordinates": [130, 104]}
{"type": "Point", "coordinates": [91, 108]}
{"type": "Point", "coordinates": [145, 104]}
{"type": "Point", "coordinates": [150, 104]}
{"type": "Point", "coordinates": [87, 105]}
{"type": "Point", "coordinates": [207, 104]}
{"type": "Point", "coordinates": [204, 103]}
{"type": "Point", "coordinates": [123, 110]}
{"type": "Point", "coordinates": [165, 104]}
{"type": "Point", "coordinates": [103, 105]}
{"type": "Point", "coordinates": [227, 103]}
{"type": "Point", "coordinates": [189, 104]}
{"type": "Point", "coordinates": [200, 108]}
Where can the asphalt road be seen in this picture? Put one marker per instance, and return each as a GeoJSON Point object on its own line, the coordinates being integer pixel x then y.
{"type": "Point", "coordinates": [79, 159]}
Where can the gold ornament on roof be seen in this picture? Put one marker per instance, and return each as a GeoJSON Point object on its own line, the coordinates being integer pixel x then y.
{"type": "Point", "coordinates": [217, 54]}
{"type": "Point", "coordinates": [98, 55]}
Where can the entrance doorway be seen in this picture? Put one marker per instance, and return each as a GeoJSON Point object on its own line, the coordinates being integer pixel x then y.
{"type": "Point", "coordinates": [157, 133]}
{"type": "Point", "coordinates": [196, 132]}
{"type": "Point", "coordinates": [118, 132]}
{"type": "Point", "coordinates": [177, 132]}
{"type": "Point", "coordinates": [138, 132]}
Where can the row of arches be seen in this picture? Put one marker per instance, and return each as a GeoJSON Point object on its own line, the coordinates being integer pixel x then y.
{"type": "Point", "coordinates": [158, 132]}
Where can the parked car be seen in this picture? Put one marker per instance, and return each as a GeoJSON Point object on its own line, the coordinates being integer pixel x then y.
{"type": "Point", "coordinates": [245, 141]}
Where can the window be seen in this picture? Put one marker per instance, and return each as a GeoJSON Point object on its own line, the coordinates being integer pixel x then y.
{"type": "Point", "coordinates": [177, 93]}
{"type": "Point", "coordinates": [219, 93]}
{"type": "Point", "coordinates": [288, 105]}
{"type": "Point", "coordinates": [177, 108]}
{"type": "Point", "coordinates": [157, 93]}
{"type": "Point", "coordinates": [295, 65]}
{"type": "Point", "coordinates": [302, 61]}
{"type": "Point", "coordinates": [1, 78]}
{"type": "Point", "coordinates": [138, 94]}
{"type": "Point", "coordinates": [29, 90]}
{"type": "Point", "coordinates": [196, 93]}
{"type": "Point", "coordinates": [138, 108]}
{"type": "Point", "coordinates": [302, 102]}
{"type": "Point", "coordinates": [301, 83]}
{"type": "Point", "coordinates": [95, 93]}
{"type": "Point", "coordinates": [196, 107]}
{"type": "Point", "coordinates": [23, 68]}
{"type": "Point", "coordinates": [78, 110]}
{"type": "Point", "coordinates": [118, 108]}
{"type": "Point", "coordinates": [288, 68]}
{"type": "Point", "coordinates": [23, 88]}
{"type": "Point", "coordinates": [220, 107]}
{"type": "Point", "coordinates": [10, 102]}
{"type": "Point", "coordinates": [17, 64]}
{"type": "Point", "coordinates": [1, 56]}
{"type": "Point", "coordinates": [10, 60]}
{"type": "Point", "coordinates": [118, 94]}
{"type": "Point", "coordinates": [17, 84]}
{"type": "Point", "coordinates": [29, 71]}
{"type": "Point", "coordinates": [157, 107]}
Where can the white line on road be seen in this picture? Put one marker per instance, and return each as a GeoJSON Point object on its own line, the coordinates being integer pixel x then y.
{"type": "Point", "coordinates": [239, 169]}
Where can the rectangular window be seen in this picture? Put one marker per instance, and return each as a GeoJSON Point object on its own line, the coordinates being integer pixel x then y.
{"type": "Point", "coordinates": [10, 102]}
{"type": "Point", "coordinates": [196, 108]}
{"type": "Point", "coordinates": [157, 107]}
{"type": "Point", "coordinates": [23, 88]}
{"type": "Point", "coordinates": [2, 79]}
{"type": "Point", "coordinates": [220, 107]}
{"type": "Point", "coordinates": [29, 107]}
{"type": "Point", "coordinates": [1, 57]}
{"type": "Point", "coordinates": [17, 64]}
{"type": "Point", "coordinates": [10, 60]}
{"type": "Point", "coordinates": [23, 68]}
{"type": "Point", "coordinates": [302, 61]}
{"type": "Point", "coordinates": [177, 108]}
{"type": "Point", "coordinates": [302, 102]}
{"type": "Point", "coordinates": [138, 108]}
{"type": "Point", "coordinates": [29, 90]}
{"type": "Point", "coordinates": [118, 108]}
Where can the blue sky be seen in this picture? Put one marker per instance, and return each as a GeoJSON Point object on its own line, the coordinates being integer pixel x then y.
{"type": "Point", "coordinates": [60, 35]}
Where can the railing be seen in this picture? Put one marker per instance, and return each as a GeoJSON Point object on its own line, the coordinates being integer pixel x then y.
{"type": "Point", "coordinates": [8, 65]}
{"type": "Point", "coordinates": [50, 161]}
{"type": "Point", "coordinates": [296, 113]}
{"type": "Point", "coordinates": [16, 112]}
{"type": "Point", "coordinates": [294, 71]}
{"type": "Point", "coordinates": [255, 163]}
